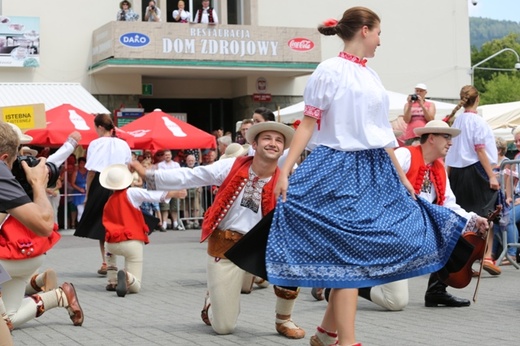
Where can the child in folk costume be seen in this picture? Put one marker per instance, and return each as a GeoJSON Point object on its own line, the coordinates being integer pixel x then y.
{"type": "Point", "coordinates": [126, 230]}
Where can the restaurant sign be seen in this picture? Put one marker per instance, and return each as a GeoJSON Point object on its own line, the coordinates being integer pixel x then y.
{"type": "Point", "coordinates": [172, 41]}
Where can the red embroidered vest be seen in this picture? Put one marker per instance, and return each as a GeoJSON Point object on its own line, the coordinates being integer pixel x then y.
{"type": "Point", "coordinates": [122, 220]}
{"type": "Point", "coordinates": [417, 170]}
{"type": "Point", "coordinates": [17, 242]}
{"type": "Point", "coordinates": [229, 191]}
{"type": "Point", "coordinates": [210, 15]}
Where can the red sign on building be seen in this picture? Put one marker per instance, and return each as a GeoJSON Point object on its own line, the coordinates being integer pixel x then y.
{"type": "Point", "coordinates": [262, 97]}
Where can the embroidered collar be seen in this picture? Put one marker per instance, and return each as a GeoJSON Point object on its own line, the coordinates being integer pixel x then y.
{"type": "Point", "coordinates": [470, 111]}
{"type": "Point", "coordinates": [353, 58]}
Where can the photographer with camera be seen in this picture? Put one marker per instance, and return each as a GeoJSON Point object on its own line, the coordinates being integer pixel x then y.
{"type": "Point", "coordinates": [29, 231]}
{"type": "Point", "coordinates": [417, 113]}
{"type": "Point", "coordinates": [153, 13]}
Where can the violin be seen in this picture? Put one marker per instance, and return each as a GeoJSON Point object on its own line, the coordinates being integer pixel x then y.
{"type": "Point", "coordinates": [462, 278]}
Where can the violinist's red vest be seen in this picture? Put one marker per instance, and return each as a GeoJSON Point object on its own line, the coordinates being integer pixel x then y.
{"type": "Point", "coordinates": [417, 170]}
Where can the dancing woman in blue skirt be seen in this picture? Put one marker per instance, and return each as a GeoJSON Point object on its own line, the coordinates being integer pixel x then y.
{"type": "Point", "coordinates": [348, 217]}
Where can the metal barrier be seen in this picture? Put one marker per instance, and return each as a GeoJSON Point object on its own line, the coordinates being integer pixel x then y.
{"type": "Point", "coordinates": [505, 244]}
{"type": "Point", "coordinates": [190, 210]}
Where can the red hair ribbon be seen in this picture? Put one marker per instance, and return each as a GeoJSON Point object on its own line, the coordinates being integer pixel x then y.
{"type": "Point", "coordinates": [330, 22]}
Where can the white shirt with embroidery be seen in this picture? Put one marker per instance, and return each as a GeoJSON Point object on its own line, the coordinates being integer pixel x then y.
{"type": "Point", "coordinates": [241, 216]}
{"type": "Point", "coordinates": [354, 107]}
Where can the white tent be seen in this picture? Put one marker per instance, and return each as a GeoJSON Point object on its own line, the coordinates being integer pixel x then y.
{"type": "Point", "coordinates": [502, 117]}
{"type": "Point", "coordinates": [494, 110]}
{"type": "Point", "coordinates": [294, 112]}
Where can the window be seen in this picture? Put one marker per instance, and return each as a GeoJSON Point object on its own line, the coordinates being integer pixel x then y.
{"type": "Point", "coordinates": [171, 5]}
{"type": "Point", "coordinates": [235, 11]}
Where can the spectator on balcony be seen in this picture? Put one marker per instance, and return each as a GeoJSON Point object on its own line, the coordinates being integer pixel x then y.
{"type": "Point", "coordinates": [206, 15]}
{"type": "Point", "coordinates": [153, 13]}
{"type": "Point", "coordinates": [180, 15]}
{"type": "Point", "coordinates": [126, 13]}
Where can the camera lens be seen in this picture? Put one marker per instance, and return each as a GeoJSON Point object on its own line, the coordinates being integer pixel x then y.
{"type": "Point", "coordinates": [413, 97]}
{"type": "Point", "coordinates": [19, 173]}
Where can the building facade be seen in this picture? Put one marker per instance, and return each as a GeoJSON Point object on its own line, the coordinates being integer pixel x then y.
{"type": "Point", "coordinates": [260, 54]}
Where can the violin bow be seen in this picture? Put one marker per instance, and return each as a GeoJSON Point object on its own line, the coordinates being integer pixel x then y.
{"type": "Point", "coordinates": [491, 217]}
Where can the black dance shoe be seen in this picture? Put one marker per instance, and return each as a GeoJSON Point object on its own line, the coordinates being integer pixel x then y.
{"type": "Point", "coordinates": [434, 299]}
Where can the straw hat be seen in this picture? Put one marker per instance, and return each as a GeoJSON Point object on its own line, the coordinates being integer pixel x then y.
{"type": "Point", "coordinates": [24, 139]}
{"type": "Point", "coordinates": [436, 126]}
{"type": "Point", "coordinates": [26, 151]}
{"type": "Point", "coordinates": [235, 150]}
{"type": "Point", "coordinates": [286, 131]}
{"type": "Point", "coordinates": [116, 177]}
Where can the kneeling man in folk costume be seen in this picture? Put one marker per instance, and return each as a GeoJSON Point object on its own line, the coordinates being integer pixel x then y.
{"type": "Point", "coordinates": [245, 196]}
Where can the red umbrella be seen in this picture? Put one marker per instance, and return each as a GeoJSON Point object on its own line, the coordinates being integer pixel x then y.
{"type": "Point", "coordinates": [63, 120]}
{"type": "Point", "coordinates": [159, 130]}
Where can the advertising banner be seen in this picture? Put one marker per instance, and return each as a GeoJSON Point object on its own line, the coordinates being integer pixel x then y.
{"type": "Point", "coordinates": [25, 116]}
{"type": "Point", "coordinates": [19, 41]}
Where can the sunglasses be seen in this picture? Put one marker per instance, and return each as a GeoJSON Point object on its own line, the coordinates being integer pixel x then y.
{"type": "Point", "coordinates": [445, 135]}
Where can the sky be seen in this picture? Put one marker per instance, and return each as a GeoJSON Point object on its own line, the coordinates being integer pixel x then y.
{"type": "Point", "coordinates": [495, 9]}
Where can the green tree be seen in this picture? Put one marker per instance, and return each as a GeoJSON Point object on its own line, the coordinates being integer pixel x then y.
{"type": "Point", "coordinates": [501, 88]}
{"type": "Point", "coordinates": [506, 60]}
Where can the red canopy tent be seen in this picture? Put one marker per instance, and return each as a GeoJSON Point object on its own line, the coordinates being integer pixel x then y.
{"type": "Point", "coordinates": [62, 121]}
{"type": "Point", "coordinates": [159, 130]}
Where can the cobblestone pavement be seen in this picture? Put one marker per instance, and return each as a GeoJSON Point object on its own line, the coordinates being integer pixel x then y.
{"type": "Point", "coordinates": [167, 310]}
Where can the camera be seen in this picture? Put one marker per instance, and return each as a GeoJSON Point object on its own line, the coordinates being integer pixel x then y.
{"type": "Point", "coordinates": [152, 8]}
{"type": "Point", "coordinates": [19, 173]}
{"type": "Point", "coordinates": [474, 2]}
{"type": "Point", "coordinates": [414, 97]}
{"type": "Point", "coordinates": [517, 66]}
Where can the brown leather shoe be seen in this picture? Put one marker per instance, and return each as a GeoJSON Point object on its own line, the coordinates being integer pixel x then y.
{"type": "Point", "coordinates": [103, 269]}
{"type": "Point", "coordinates": [290, 330]}
{"type": "Point", "coordinates": [204, 314]}
{"type": "Point", "coordinates": [74, 309]}
{"type": "Point", "coordinates": [111, 287]}
{"type": "Point", "coordinates": [491, 267]}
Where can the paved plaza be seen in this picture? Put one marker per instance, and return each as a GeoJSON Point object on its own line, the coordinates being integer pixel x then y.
{"type": "Point", "coordinates": [167, 310]}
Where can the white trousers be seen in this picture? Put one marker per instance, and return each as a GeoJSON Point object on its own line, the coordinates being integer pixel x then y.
{"type": "Point", "coordinates": [18, 308]}
{"type": "Point", "coordinates": [132, 251]}
{"type": "Point", "coordinates": [224, 284]}
{"type": "Point", "coordinates": [392, 296]}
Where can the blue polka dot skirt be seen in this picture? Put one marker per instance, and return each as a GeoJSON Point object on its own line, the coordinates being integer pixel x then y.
{"type": "Point", "coordinates": [348, 222]}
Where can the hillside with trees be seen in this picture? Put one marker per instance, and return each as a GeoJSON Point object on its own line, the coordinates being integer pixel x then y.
{"type": "Point", "coordinates": [484, 30]}
{"type": "Point", "coordinates": [496, 78]}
